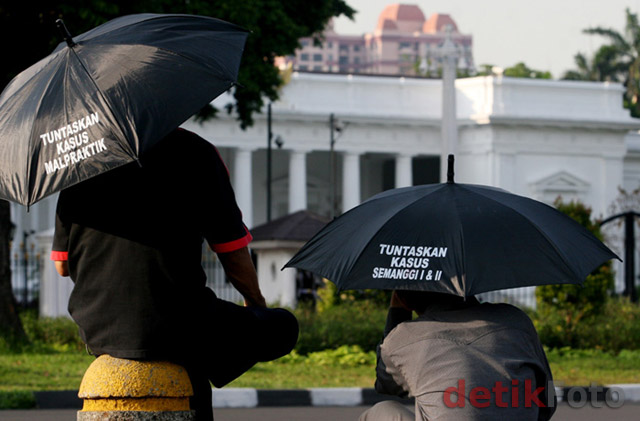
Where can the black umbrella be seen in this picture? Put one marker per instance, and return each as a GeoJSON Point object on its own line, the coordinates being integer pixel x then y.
{"type": "Point", "coordinates": [454, 238]}
{"type": "Point", "coordinates": [103, 98]}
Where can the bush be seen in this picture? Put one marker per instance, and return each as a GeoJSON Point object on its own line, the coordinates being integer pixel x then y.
{"type": "Point", "coordinates": [588, 299]}
{"type": "Point", "coordinates": [9, 343]}
{"type": "Point", "coordinates": [56, 333]}
{"type": "Point", "coordinates": [615, 328]}
{"type": "Point", "coordinates": [563, 311]}
{"type": "Point", "coordinates": [344, 356]}
{"type": "Point", "coordinates": [17, 400]}
{"type": "Point", "coordinates": [329, 296]}
{"type": "Point", "coordinates": [354, 323]}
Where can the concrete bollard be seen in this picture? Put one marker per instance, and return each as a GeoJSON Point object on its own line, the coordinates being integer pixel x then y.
{"type": "Point", "coordinates": [115, 389]}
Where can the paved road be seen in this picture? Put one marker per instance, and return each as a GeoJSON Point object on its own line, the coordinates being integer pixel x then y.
{"type": "Point", "coordinates": [629, 412]}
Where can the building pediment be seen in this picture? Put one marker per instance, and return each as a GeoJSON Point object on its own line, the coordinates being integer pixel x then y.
{"type": "Point", "coordinates": [560, 184]}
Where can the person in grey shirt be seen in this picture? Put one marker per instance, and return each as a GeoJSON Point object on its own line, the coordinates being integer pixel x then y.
{"type": "Point", "coordinates": [461, 360]}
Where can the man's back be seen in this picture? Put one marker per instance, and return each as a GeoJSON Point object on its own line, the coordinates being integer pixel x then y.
{"type": "Point", "coordinates": [488, 353]}
{"type": "Point", "coordinates": [134, 240]}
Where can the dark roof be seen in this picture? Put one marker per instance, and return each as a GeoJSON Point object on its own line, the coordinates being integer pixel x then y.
{"type": "Point", "coordinates": [298, 226]}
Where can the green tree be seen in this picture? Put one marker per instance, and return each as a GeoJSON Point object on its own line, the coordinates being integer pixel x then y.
{"type": "Point", "coordinates": [604, 66]}
{"type": "Point", "coordinates": [11, 330]}
{"type": "Point", "coordinates": [618, 61]}
{"type": "Point", "coordinates": [573, 304]}
{"type": "Point", "coordinates": [523, 71]}
{"type": "Point", "coordinates": [485, 70]}
{"type": "Point", "coordinates": [275, 29]}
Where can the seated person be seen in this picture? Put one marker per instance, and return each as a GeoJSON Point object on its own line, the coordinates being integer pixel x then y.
{"type": "Point", "coordinates": [461, 360]}
{"type": "Point", "coordinates": [131, 239]}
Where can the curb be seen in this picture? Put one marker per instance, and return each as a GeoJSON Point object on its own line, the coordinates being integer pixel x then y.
{"type": "Point", "coordinates": [247, 398]}
{"type": "Point", "coordinates": [341, 396]}
{"type": "Point", "coordinates": [347, 396]}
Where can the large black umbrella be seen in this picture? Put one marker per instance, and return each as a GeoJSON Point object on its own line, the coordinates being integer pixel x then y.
{"type": "Point", "coordinates": [453, 238]}
{"type": "Point", "coordinates": [103, 98]}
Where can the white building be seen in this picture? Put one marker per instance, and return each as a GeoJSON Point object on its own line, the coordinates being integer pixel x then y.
{"type": "Point", "coordinates": [532, 137]}
{"type": "Point", "coordinates": [536, 138]}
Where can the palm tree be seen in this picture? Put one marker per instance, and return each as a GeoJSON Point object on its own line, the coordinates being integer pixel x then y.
{"type": "Point", "coordinates": [618, 61]}
{"type": "Point", "coordinates": [605, 66]}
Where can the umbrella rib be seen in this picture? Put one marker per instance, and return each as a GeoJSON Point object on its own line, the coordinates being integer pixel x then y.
{"type": "Point", "coordinates": [544, 235]}
{"type": "Point", "coordinates": [43, 67]}
{"type": "Point", "coordinates": [380, 229]}
{"type": "Point", "coordinates": [127, 147]}
{"type": "Point", "coordinates": [132, 23]}
{"type": "Point", "coordinates": [157, 16]}
{"type": "Point", "coordinates": [131, 153]}
{"type": "Point", "coordinates": [232, 82]}
{"type": "Point", "coordinates": [463, 276]}
{"type": "Point", "coordinates": [160, 16]}
{"type": "Point", "coordinates": [31, 145]}
{"type": "Point", "coordinates": [64, 105]}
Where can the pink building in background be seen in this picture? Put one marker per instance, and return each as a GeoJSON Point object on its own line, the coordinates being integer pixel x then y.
{"type": "Point", "coordinates": [404, 42]}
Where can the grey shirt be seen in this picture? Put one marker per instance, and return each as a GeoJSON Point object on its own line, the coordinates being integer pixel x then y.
{"type": "Point", "coordinates": [489, 353]}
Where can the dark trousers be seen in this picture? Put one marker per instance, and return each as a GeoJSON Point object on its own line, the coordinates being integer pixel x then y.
{"type": "Point", "coordinates": [239, 338]}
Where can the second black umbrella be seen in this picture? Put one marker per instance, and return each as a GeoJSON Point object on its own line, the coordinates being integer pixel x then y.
{"type": "Point", "coordinates": [453, 238]}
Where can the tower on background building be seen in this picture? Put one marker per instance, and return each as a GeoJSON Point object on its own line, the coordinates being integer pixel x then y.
{"type": "Point", "coordinates": [404, 42]}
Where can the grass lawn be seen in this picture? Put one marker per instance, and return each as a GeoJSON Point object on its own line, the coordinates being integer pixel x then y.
{"type": "Point", "coordinates": [20, 374]}
{"type": "Point", "coordinates": [305, 375]}
{"type": "Point", "coordinates": [568, 370]}
{"type": "Point", "coordinates": [32, 372]}
{"type": "Point", "coordinates": [345, 367]}
{"type": "Point", "coordinates": [582, 367]}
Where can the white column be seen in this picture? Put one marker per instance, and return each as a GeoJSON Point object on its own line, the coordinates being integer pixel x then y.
{"type": "Point", "coordinates": [449, 127]}
{"type": "Point", "coordinates": [16, 219]}
{"type": "Point", "coordinates": [242, 183]}
{"type": "Point", "coordinates": [350, 180]}
{"type": "Point", "coordinates": [19, 218]}
{"type": "Point", "coordinates": [404, 171]}
{"type": "Point", "coordinates": [297, 181]}
{"type": "Point", "coordinates": [45, 216]}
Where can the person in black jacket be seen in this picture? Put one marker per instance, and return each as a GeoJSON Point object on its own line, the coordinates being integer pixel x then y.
{"type": "Point", "coordinates": [131, 240]}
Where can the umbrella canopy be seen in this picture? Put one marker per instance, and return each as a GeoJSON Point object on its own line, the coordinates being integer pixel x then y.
{"type": "Point", "coordinates": [103, 98]}
{"type": "Point", "coordinates": [452, 238]}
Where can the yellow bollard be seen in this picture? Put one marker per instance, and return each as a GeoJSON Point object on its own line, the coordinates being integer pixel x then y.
{"type": "Point", "coordinates": [115, 389]}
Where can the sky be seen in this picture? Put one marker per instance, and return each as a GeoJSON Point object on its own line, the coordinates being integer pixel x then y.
{"type": "Point", "coordinates": [544, 34]}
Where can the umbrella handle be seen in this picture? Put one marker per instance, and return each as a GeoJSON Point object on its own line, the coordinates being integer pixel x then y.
{"type": "Point", "coordinates": [65, 33]}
